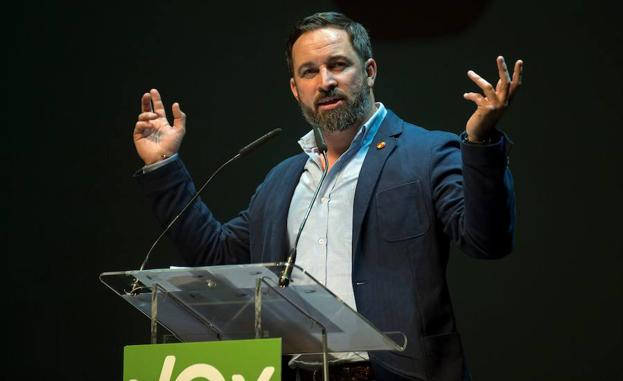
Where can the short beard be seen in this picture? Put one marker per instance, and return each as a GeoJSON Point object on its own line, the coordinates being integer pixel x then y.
{"type": "Point", "coordinates": [341, 118]}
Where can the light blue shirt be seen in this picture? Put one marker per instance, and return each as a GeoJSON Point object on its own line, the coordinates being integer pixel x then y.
{"type": "Point", "coordinates": [325, 246]}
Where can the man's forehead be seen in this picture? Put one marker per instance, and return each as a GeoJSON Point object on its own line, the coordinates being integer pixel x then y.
{"type": "Point", "coordinates": [321, 42]}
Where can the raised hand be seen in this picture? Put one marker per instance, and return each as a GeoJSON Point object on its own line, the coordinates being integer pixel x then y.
{"type": "Point", "coordinates": [492, 105]}
{"type": "Point", "coordinates": [155, 139]}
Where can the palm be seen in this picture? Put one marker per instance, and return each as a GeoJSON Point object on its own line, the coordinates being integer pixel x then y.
{"type": "Point", "coordinates": [155, 137]}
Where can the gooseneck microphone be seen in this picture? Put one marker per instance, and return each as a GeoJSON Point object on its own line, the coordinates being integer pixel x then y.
{"type": "Point", "coordinates": [286, 274]}
{"type": "Point", "coordinates": [242, 152]}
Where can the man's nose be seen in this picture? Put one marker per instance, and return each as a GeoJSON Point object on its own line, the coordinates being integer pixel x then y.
{"type": "Point", "coordinates": [328, 81]}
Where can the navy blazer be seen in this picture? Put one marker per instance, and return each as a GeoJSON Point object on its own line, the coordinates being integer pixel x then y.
{"type": "Point", "coordinates": [420, 192]}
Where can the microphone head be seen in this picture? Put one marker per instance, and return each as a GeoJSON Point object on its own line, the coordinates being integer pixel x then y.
{"type": "Point", "coordinates": [258, 142]}
{"type": "Point", "coordinates": [322, 146]}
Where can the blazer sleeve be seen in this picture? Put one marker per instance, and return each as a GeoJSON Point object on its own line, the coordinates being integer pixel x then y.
{"type": "Point", "coordinates": [473, 196]}
{"type": "Point", "coordinates": [198, 235]}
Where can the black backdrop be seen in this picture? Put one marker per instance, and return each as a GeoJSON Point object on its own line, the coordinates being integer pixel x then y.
{"type": "Point", "coordinates": [75, 73]}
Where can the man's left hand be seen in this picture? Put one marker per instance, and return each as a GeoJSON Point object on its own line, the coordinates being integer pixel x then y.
{"type": "Point", "coordinates": [492, 105]}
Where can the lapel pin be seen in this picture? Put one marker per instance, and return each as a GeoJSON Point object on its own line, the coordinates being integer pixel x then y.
{"type": "Point", "coordinates": [381, 145]}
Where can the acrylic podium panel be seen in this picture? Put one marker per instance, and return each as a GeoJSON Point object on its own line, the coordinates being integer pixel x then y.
{"type": "Point", "coordinates": [245, 302]}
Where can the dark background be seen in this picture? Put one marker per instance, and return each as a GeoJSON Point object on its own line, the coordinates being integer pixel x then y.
{"type": "Point", "coordinates": [75, 73]}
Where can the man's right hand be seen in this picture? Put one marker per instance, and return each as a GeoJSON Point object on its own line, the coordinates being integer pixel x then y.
{"type": "Point", "coordinates": [155, 139]}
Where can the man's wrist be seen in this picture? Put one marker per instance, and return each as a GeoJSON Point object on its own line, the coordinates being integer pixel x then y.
{"type": "Point", "coordinates": [159, 158]}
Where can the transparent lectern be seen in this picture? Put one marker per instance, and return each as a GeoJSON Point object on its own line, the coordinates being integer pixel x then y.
{"type": "Point", "coordinates": [244, 302]}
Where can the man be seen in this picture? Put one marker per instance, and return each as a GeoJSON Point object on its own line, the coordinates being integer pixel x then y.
{"type": "Point", "coordinates": [395, 197]}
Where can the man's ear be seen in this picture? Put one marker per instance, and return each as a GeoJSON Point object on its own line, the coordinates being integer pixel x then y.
{"type": "Point", "coordinates": [371, 70]}
{"type": "Point", "coordinates": [294, 90]}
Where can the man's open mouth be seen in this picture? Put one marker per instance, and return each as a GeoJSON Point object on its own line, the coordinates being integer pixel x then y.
{"type": "Point", "coordinates": [328, 102]}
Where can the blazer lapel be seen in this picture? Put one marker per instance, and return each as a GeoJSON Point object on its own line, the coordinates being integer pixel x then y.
{"type": "Point", "coordinates": [381, 147]}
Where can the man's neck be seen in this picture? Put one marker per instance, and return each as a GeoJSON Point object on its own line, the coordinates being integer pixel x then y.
{"type": "Point", "coordinates": [339, 141]}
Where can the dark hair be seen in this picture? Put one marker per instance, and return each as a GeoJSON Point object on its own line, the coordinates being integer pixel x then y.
{"type": "Point", "coordinates": [358, 35]}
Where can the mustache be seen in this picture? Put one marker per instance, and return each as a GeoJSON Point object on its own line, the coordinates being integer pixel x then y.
{"type": "Point", "coordinates": [327, 94]}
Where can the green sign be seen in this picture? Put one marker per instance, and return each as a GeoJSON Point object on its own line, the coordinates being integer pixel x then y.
{"type": "Point", "coordinates": [236, 360]}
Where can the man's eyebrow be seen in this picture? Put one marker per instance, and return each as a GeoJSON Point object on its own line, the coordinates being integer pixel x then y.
{"type": "Point", "coordinates": [339, 57]}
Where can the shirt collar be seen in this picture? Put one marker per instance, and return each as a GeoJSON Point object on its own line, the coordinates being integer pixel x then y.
{"type": "Point", "coordinates": [362, 138]}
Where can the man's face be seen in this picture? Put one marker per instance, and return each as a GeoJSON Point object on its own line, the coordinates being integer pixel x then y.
{"type": "Point", "coordinates": [331, 84]}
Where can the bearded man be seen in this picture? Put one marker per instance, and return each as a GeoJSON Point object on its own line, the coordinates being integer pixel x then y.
{"type": "Point", "coordinates": [395, 197]}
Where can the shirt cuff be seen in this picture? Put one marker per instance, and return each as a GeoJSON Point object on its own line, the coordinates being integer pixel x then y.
{"type": "Point", "coordinates": [160, 164]}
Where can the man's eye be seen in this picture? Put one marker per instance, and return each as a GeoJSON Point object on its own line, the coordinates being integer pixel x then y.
{"type": "Point", "coordinates": [307, 73]}
{"type": "Point", "coordinates": [339, 65]}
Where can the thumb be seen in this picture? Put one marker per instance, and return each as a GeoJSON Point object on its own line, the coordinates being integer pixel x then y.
{"type": "Point", "coordinates": [179, 118]}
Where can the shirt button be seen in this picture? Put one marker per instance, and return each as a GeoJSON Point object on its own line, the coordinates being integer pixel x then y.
{"type": "Point", "coordinates": [325, 199]}
{"type": "Point", "coordinates": [322, 241]}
